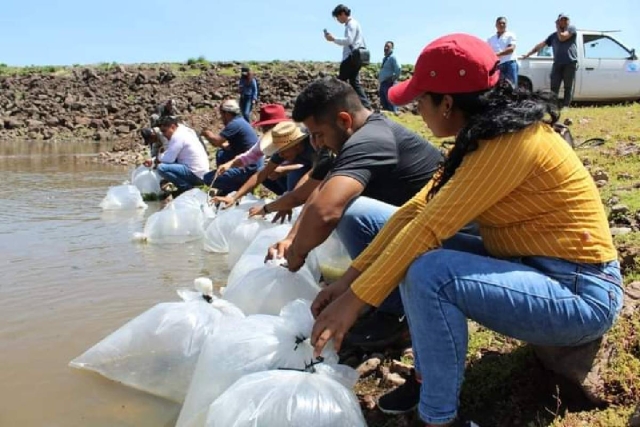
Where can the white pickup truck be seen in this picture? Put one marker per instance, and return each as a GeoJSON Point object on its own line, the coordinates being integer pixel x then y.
{"type": "Point", "coordinates": [607, 69]}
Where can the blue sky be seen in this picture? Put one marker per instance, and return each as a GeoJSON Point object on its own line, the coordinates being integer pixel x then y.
{"type": "Point", "coordinates": [64, 32]}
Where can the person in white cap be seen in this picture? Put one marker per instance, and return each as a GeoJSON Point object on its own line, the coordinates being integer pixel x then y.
{"type": "Point", "coordinates": [236, 137]}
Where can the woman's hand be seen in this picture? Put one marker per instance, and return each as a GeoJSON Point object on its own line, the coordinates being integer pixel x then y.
{"type": "Point", "coordinates": [335, 321]}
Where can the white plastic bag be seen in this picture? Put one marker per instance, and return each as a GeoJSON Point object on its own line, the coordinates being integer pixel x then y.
{"type": "Point", "coordinates": [174, 225]}
{"type": "Point", "coordinates": [253, 344]}
{"type": "Point", "coordinates": [243, 234]}
{"type": "Point", "coordinates": [147, 180]}
{"type": "Point", "coordinates": [157, 351]}
{"type": "Point", "coordinates": [195, 199]}
{"type": "Point", "coordinates": [123, 197]}
{"type": "Point", "coordinates": [333, 258]}
{"type": "Point", "coordinates": [281, 398]}
{"type": "Point", "coordinates": [267, 288]}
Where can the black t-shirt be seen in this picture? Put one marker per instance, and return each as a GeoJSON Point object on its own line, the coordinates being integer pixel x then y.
{"type": "Point", "coordinates": [390, 161]}
{"type": "Point", "coordinates": [322, 164]}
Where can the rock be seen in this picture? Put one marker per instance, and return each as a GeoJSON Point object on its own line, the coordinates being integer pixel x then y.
{"type": "Point", "coordinates": [625, 176]}
{"type": "Point", "coordinates": [614, 200]}
{"type": "Point", "coordinates": [580, 365]}
{"type": "Point", "coordinates": [600, 175]}
{"type": "Point", "coordinates": [122, 129]}
{"type": "Point", "coordinates": [619, 209]}
{"type": "Point", "coordinates": [81, 121]}
{"type": "Point", "coordinates": [628, 257]}
{"type": "Point", "coordinates": [52, 121]}
{"type": "Point", "coordinates": [368, 402]}
{"type": "Point", "coordinates": [631, 298]}
{"type": "Point", "coordinates": [11, 123]}
{"type": "Point", "coordinates": [392, 380]}
{"type": "Point", "coordinates": [619, 231]}
{"type": "Point", "coordinates": [601, 183]}
{"type": "Point", "coordinates": [34, 123]}
{"type": "Point", "coordinates": [401, 368]}
{"type": "Point", "coordinates": [368, 366]}
{"type": "Point", "coordinates": [635, 418]}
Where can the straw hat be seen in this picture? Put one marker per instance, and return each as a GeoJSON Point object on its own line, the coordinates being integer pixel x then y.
{"type": "Point", "coordinates": [284, 135]}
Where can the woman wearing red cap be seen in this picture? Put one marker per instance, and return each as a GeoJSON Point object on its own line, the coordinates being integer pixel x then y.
{"type": "Point", "coordinates": [545, 270]}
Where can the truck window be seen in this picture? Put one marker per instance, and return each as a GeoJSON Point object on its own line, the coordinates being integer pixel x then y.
{"type": "Point", "coordinates": [603, 47]}
{"type": "Point", "coordinates": [546, 51]}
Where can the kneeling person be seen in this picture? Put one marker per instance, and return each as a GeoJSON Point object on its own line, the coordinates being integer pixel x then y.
{"type": "Point", "coordinates": [185, 161]}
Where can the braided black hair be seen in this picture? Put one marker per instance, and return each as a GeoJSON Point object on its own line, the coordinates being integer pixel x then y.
{"type": "Point", "coordinates": [489, 114]}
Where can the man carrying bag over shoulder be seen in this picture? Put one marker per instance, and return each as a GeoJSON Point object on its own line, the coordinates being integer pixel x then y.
{"type": "Point", "coordinates": [354, 51]}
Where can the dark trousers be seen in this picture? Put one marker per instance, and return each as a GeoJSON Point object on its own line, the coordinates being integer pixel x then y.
{"type": "Point", "coordinates": [566, 74]}
{"type": "Point", "coordinates": [350, 72]}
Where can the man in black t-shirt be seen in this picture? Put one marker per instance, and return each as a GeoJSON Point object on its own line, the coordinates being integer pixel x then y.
{"type": "Point", "coordinates": [379, 166]}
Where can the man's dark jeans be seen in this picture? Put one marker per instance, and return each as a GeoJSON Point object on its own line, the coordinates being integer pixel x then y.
{"type": "Point", "coordinates": [566, 74]}
{"type": "Point", "coordinates": [350, 72]}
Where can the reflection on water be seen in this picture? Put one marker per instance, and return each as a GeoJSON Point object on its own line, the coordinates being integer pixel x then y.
{"type": "Point", "coordinates": [70, 276]}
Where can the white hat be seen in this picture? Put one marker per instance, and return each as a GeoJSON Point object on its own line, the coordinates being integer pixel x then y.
{"type": "Point", "coordinates": [230, 106]}
{"type": "Point", "coordinates": [283, 135]}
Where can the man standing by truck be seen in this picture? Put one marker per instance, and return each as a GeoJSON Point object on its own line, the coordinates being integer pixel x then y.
{"type": "Point", "coordinates": [503, 43]}
{"type": "Point", "coordinates": [565, 57]}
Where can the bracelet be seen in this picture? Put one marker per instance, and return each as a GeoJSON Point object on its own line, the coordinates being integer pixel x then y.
{"type": "Point", "coordinates": [264, 208]}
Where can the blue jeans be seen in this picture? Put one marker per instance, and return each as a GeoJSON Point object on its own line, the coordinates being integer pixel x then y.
{"type": "Point", "coordinates": [362, 221]}
{"type": "Point", "coordinates": [509, 71]}
{"type": "Point", "coordinates": [180, 175]}
{"type": "Point", "coordinates": [246, 105]}
{"type": "Point", "coordinates": [539, 300]}
{"type": "Point", "coordinates": [384, 98]}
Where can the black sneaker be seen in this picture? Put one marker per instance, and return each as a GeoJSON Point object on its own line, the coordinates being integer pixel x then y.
{"type": "Point", "coordinates": [379, 331]}
{"type": "Point", "coordinates": [402, 399]}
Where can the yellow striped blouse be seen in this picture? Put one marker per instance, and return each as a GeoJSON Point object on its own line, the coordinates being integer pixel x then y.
{"type": "Point", "coordinates": [528, 191]}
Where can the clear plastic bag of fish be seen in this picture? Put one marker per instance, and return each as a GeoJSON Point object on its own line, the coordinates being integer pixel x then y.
{"type": "Point", "coordinates": [333, 258]}
{"type": "Point", "coordinates": [157, 351]}
{"type": "Point", "coordinates": [320, 396]}
{"type": "Point", "coordinates": [173, 225]}
{"type": "Point", "coordinates": [123, 197]}
{"type": "Point", "coordinates": [195, 199]}
{"type": "Point", "coordinates": [147, 180]}
{"type": "Point", "coordinates": [267, 288]}
{"type": "Point", "coordinates": [253, 257]}
{"type": "Point", "coordinates": [253, 344]}
{"type": "Point", "coordinates": [243, 234]}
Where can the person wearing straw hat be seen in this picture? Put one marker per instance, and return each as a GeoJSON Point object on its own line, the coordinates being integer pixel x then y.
{"type": "Point", "coordinates": [291, 155]}
{"type": "Point", "coordinates": [236, 137]}
{"type": "Point", "coordinates": [544, 270]}
{"type": "Point", "coordinates": [270, 115]}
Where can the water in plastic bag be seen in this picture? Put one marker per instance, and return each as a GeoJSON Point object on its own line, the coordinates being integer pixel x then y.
{"type": "Point", "coordinates": [147, 180]}
{"type": "Point", "coordinates": [284, 398]}
{"type": "Point", "coordinates": [157, 351]}
{"type": "Point", "coordinates": [333, 258]}
{"type": "Point", "coordinates": [174, 225]}
{"type": "Point", "coordinates": [195, 199]}
{"type": "Point", "coordinates": [243, 234]}
{"type": "Point", "coordinates": [253, 344]}
{"type": "Point", "coordinates": [269, 287]}
{"type": "Point", "coordinates": [123, 197]}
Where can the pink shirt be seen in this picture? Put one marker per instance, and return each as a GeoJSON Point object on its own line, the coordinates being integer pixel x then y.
{"type": "Point", "coordinates": [252, 155]}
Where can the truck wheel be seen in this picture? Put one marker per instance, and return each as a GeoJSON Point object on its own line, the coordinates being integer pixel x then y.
{"type": "Point", "coordinates": [524, 83]}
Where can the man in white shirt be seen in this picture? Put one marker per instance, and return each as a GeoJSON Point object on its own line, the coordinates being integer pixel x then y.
{"type": "Point", "coordinates": [185, 161]}
{"type": "Point", "coordinates": [504, 45]}
{"type": "Point", "coordinates": [353, 39]}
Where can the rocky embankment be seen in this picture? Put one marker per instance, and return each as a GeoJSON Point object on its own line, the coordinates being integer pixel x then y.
{"type": "Point", "coordinates": [112, 102]}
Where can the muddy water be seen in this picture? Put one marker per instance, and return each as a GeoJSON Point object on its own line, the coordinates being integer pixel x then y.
{"type": "Point", "coordinates": [70, 275]}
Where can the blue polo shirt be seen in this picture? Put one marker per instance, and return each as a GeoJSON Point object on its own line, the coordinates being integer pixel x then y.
{"type": "Point", "coordinates": [240, 135]}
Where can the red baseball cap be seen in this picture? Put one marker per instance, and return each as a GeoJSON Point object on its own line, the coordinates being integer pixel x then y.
{"type": "Point", "coordinates": [271, 114]}
{"type": "Point", "coordinates": [455, 63]}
